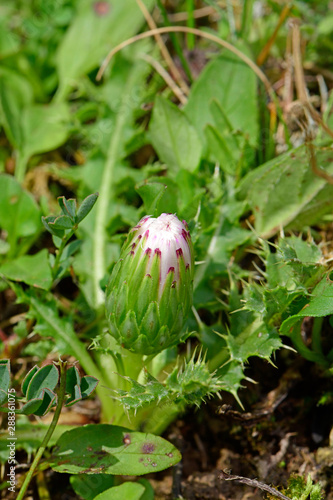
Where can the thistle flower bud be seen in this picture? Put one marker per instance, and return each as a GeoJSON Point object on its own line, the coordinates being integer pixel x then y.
{"type": "Point", "coordinates": [150, 290]}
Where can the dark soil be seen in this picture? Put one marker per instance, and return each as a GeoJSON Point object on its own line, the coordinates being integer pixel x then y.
{"type": "Point", "coordinates": [260, 443]}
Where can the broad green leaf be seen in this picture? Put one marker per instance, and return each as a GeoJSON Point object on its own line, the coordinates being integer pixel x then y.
{"type": "Point", "coordinates": [15, 95]}
{"type": "Point", "coordinates": [44, 128]}
{"type": "Point", "coordinates": [19, 213]}
{"type": "Point", "coordinates": [48, 223]}
{"type": "Point", "coordinates": [151, 193]}
{"type": "Point", "coordinates": [224, 144]}
{"type": "Point", "coordinates": [4, 247]}
{"type": "Point", "coordinates": [62, 222]}
{"type": "Point", "coordinates": [9, 40]}
{"type": "Point", "coordinates": [27, 379]}
{"type": "Point", "coordinates": [72, 378]}
{"type": "Point", "coordinates": [220, 149]}
{"type": "Point", "coordinates": [232, 237]}
{"type": "Point", "coordinates": [110, 449]}
{"type": "Point", "coordinates": [40, 405]}
{"type": "Point", "coordinates": [149, 491]}
{"type": "Point", "coordinates": [75, 396]}
{"type": "Point", "coordinates": [160, 194]}
{"type": "Point", "coordinates": [285, 191]}
{"type": "Point", "coordinates": [95, 30]}
{"type": "Point", "coordinates": [231, 83]}
{"type": "Point", "coordinates": [88, 486]}
{"type": "Point", "coordinates": [4, 379]}
{"type": "Point", "coordinates": [174, 138]}
{"type": "Point", "coordinates": [33, 270]}
{"type": "Point", "coordinates": [88, 385]}
{"type": "Point", "coordinates": [45, 378]}
{"type": "Point", "coordinates": [141, 490]}
{"type": "Point", "coordinates": [73, 385]}
{"type": "Point", "coordinates": [132, 491]}
{"type": "Point", "coordinates": [86, 206]}
{"type": "Point", "coordinates": [68, 207]}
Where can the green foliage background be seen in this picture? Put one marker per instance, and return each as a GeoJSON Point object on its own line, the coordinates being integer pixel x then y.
{"type": "Point", "coordinates": [257, 215]}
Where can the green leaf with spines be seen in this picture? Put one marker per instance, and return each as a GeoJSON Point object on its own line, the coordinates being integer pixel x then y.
{"type": "Point", "coordinates": [141, 395]}
{"type": "Point", "coordinates": [186, 385]}
{"type": "Point", "coordinates": [191, 383]}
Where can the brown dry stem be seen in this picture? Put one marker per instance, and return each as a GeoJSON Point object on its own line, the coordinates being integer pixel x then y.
{"type": "Point", "coordinates": [164, 51]}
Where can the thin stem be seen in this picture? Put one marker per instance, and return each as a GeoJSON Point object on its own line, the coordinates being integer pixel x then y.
{"type": "Point", "coordinates": [20, 166]}
{"type": "Point", "coordinates": [303, 350]}
{"type": "Point", "coordinates": [61, 397]}
{"type": "Point", "coordinates": [60, 250]}
{"type": "Point", "coordinates": [166, 77]}
{"type": "Point", "coordinates": [266, 49]}
{"type": "Point", "coordinates": [185, 29]}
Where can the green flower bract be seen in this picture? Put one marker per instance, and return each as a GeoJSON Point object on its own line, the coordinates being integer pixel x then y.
{"type": "Point", "coordinates": [150, 291]}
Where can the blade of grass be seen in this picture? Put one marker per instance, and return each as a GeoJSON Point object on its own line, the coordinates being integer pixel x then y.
{"type": "Point", "coordinates": [246, 18]}
{"type": "Point", "coordinates": [190, 23]}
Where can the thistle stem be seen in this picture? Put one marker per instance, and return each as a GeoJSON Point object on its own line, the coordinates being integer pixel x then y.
{"type": "Point", "coordinates": [303, 350]}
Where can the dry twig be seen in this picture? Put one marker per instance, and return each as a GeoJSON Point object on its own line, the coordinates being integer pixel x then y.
{"type": "Point", "coordinates": [253, 483]}
{"type": "Point", "coordinates": [184, 29]}
{"type": "Point", "coordinates": [164, 51]}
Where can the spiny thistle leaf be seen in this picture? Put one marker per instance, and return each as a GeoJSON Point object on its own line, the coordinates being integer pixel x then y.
{"type": "Point", "coordinates": [141, 395]}
{"type": "Point", "coordinates": [193, 382]}
{"type": "Point", "coordinates": [188, 385]}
